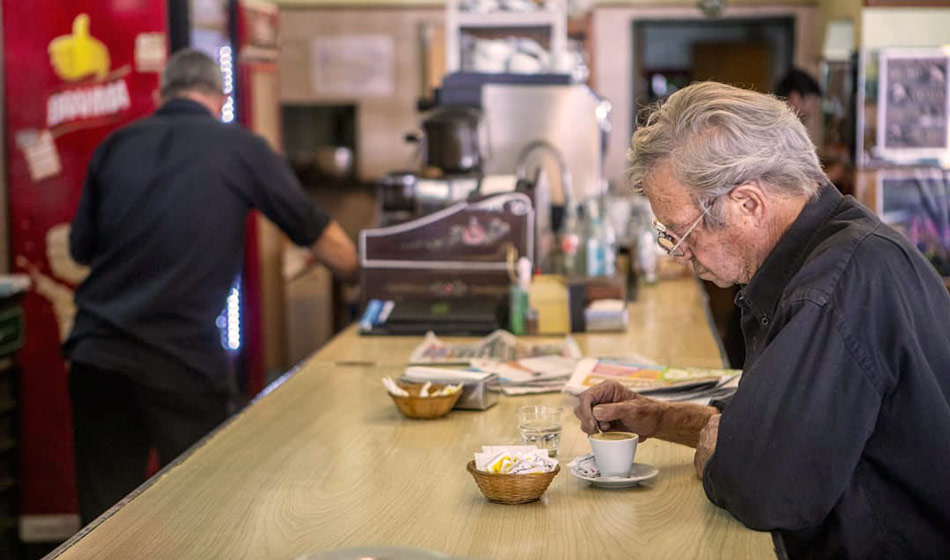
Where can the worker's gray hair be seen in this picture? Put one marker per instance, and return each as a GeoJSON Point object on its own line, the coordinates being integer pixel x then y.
{"type": "Point", "coordinates": [190, 70]}
{"type": "Point", "coordinates": [717, 136]}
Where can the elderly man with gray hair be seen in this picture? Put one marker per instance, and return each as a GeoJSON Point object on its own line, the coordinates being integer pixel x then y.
{"type": "Point", "coordinates": [837, 439]}
{"type": "Point", "coordinates": [161, 223]}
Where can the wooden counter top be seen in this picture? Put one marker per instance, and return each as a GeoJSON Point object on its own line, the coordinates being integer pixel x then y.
{"type": "Point", "coordinates": [325, 461]}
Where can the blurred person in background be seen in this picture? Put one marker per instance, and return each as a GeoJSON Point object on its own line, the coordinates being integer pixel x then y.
{"type": "Point", "coordinates": [161, 223]}
{"type": "Point", "coordinates": [801, 92]}
{"type": "Point", "coordinates": [837, 439]}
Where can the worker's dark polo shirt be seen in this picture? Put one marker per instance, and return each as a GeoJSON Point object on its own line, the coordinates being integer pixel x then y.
{"type": "Point", "coordinates": [838, 438]}
{"type": "Point", "coordinates": [161, 221]}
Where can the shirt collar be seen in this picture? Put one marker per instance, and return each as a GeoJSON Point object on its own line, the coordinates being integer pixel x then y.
{"type": "Point", "coordinates": [183, 106]}
{"type": "Point", "coordinates": [766, 286]}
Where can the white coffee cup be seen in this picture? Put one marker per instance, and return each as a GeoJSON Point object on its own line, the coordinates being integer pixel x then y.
{"type": "Point", "coordinates": [613, 452]}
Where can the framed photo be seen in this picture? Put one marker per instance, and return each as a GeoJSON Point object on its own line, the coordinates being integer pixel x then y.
{"type": "Point", "coordinates": [913, 107]}
{"type": "Point", "coordinates": [916, 202]}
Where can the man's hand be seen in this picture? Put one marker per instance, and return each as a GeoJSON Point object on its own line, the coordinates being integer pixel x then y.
{"type": "Point", "coordinates": [296, 261]}
{"type": "Point", "coordinates": [618, 408]}
{"type": "Point", "coordinates": [334, 249]}
{"type": "Point", "coordinates": [706, 445]}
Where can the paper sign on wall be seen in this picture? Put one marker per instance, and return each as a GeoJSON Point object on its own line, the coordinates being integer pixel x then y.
{"type": "Point", "coordinates": [39, 149]}
{"type": "Point", "coordinates": [150, 52]}
{"type": "Point", "coordinates": [353, 66]}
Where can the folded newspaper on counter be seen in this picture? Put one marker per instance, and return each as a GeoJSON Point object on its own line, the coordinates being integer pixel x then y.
{"type": "Point", "coordinates": [519, 366]}
{"type": "Point", "coordinates": [689, 384]}
{"type": "Point", "coordinates": [500, 346]}
{"type": "Point", "coordinates": [514, 459]}
{"type": "Point", "coordinates": [541, 374]}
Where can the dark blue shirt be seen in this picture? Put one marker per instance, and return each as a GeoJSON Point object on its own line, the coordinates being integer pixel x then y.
{"type": "Point", "coordinates": [838, 437]}
{"type": "Point", "coordinates": [161, 221]}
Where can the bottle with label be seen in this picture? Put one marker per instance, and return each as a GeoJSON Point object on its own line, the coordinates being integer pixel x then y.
{"type": "Point", "coordinates": [647, 257]}
{"type": "Point", "coordinates": [609, 242]}
{"type": "Point", "coordinates": [518, 298]}
{"type": "Point", "coordinates": [601, 241]}
{"type": "Point", "coordinates": [583, 232]}
{"type": "Point", "coordinates": [570, 241]}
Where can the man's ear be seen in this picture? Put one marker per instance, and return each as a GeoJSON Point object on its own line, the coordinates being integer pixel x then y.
{"type": "Point", "coordinates": [795, 101]}
{"type": "Point", "coordinates": [749, 202]}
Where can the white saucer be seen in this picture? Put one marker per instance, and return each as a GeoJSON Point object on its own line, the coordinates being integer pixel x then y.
{"type": "Point", "coordinates": [638, 473]}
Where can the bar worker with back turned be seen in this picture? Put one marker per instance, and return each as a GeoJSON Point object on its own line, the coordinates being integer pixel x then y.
{"type": "Point", "coordinates": [161, 223]}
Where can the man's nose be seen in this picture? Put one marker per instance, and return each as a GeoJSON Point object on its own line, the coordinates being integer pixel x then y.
{"type": "Point", "coordinates": [683, 254]}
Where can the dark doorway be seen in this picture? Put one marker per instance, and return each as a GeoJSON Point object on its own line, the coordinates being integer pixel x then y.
{"type": "Point", "coordinates": [669, 54]}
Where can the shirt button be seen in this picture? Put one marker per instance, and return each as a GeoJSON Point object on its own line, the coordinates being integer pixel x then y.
{"type": "Point", "coordinates": [765, 321]}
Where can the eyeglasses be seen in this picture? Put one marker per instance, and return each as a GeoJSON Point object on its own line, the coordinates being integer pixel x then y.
{"type": "Point", "coordinates": [669, 243]}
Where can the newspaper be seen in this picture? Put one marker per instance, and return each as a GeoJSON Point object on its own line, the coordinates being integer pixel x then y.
{"type": "Point", "coordinates": [501, 346]}
{"type": "Point", "coordinates": [541, 374]}
{"type": "Point", "coordinates": [659, 381]}
{"type": "Point", "coordinates": [551, 386]}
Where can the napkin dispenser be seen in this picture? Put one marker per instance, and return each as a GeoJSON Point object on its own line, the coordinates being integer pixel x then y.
{"type": "Point", "coordinates": [477, 394]}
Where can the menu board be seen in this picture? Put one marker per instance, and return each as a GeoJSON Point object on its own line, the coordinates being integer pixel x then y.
{"type": "Point", "coordinates": [913, 105]}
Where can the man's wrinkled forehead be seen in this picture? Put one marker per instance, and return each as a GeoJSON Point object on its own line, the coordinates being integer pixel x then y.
{"type": "Point", "coordinates": [666, 194]}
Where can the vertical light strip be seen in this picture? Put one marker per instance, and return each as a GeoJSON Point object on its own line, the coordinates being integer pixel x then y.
{"type": "Point", "coordinates": [226, 62]}
{"type": "Point", "coordinates": [229, 322]}
{"type": "Point", "coordinates": [234, 318]}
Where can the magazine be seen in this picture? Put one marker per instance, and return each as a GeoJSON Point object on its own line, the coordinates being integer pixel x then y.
{"type": "Point", "coordinates": [673, 383]}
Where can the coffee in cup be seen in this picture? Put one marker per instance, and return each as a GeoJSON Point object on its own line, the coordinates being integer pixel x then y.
{"type": "Point", "coordinates": [613, 452]}
{"type": "Point", "coordinates": [613, 436]}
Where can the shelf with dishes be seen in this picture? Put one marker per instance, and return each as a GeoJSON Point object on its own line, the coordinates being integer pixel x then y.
{"type": "Point", "coordinates": [539, 18]}
{"type": "Point", "coordinates": [487, 39]}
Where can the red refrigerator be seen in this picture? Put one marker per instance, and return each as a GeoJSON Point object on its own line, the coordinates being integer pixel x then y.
{"type": "Point", "coordinates": [75, 70]}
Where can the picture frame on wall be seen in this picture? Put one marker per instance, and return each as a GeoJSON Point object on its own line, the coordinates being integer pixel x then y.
{"type": "Point", "coordinates": [913, 106]}
{"type": "Point", "coordinates": [916, 202]}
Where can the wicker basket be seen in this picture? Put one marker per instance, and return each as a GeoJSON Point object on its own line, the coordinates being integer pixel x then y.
{"type": "Point", "coordinates": [512, 488]}
{"type": "Point", "coordinates": [415, 406]}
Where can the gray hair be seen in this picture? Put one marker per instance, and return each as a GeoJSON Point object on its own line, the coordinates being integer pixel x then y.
{"type": "Point", "coordinates": [717, 136]}
{"type": "Point", "coordinates": [190, 70]}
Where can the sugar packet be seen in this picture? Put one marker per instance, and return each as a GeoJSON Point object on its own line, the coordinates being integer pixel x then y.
{"type": "Point", "coordinates": [514, 459]}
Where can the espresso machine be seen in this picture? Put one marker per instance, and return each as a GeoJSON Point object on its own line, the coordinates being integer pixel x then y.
{"type": "Point", "coordinates": [447, 166]}
{"type": "Point", "coordinates": [491, 133]}
{"type": "Point", "coordinates": [453, 147]}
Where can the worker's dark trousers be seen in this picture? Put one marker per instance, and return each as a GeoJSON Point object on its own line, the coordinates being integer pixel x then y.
{"type": "Point", "coordinates": [116, 423]}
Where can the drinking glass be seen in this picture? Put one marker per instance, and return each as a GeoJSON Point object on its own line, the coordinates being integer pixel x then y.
{"type": "Point", "coordinates": [541, 426]}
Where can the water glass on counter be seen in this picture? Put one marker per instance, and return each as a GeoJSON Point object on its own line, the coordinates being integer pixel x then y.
{"type": "Point", "coordinates": [541, 426]}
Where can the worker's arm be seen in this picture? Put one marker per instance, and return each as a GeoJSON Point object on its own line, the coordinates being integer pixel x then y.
{"type": "Point", "coordinates": [332, 248]}
{"type": "Point", "coordinates": [335, 250]}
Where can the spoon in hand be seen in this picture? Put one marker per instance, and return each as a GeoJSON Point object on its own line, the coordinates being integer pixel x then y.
{"type": "Point", "coordinates": [596, 423]}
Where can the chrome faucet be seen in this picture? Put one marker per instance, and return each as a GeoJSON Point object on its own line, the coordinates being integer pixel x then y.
{"type": "Point", "coordinates": [545, 233]}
